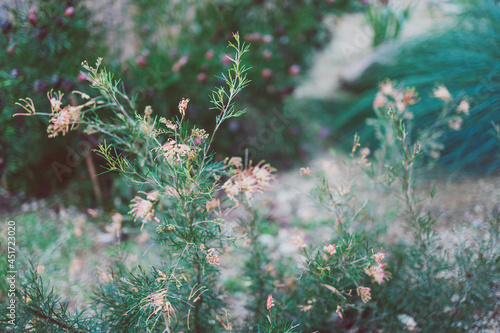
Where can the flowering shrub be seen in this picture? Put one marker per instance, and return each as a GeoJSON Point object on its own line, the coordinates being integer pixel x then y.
{"type": "Point", "coordinates": [440, 296]}
{"type": "Point", "coordinates": [190, 199]}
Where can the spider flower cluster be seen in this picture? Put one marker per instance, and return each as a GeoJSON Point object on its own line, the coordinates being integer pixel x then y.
{"type": "Point", "coordinates": [249, 181]}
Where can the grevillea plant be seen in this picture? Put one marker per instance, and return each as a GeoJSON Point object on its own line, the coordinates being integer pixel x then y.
{"type": "Point", "coordinates": [337, 275]}
{"type": "Point", "coordinates": [182, 191]}
{"type": "Point", "coordinates": [450, 282]}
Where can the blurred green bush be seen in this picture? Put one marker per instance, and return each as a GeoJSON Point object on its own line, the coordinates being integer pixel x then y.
{"type": "Point", "coordinates": [184, 48]}
{"type": "Point", "coordinates": [41, 43]}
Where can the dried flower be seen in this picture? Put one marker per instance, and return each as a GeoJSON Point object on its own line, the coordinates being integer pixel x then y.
{"type": "Point", "coordinates": [212, 257]}
{"type": "Point", "coordinates": [463, 107]}
{"type": "Point", "coordinates": [305, 171]}
{"type": "Point", "coordinates": [365, 294]}
{"type": "Point", "coordinates": [378, 273]}
{"type": "Point", "coordinates": [212, 204]}
{"type": "Point", "coordinates": [442, 93]}
{"type": "Point", "coordinates": [270, 302]}
{"type": "Point", "coordinates": [159, 302]}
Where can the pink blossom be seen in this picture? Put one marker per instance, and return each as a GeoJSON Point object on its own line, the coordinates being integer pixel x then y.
{"type": "Point", "coordinates": [442, 93]}
{"type": "Point", "coordinates": [270, 302]}
{"type": "Point", "coordinates": [378, 273]}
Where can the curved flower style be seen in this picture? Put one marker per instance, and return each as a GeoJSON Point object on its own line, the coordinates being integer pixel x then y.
{"type": "Point", "coordinates": [143, 209]}
{"type": "Point", "coordinates": [175, 150]}
{"type": "Point", "coordinates": [249, 181]}
{"type": "Point", "coordinates": [378, 273]}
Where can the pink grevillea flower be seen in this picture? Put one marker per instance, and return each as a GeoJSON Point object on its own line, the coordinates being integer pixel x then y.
{"type": "Point", "coordinates": [180, 63]}
{"type": "Point", "coordinates": [379, 256]}
{"type": "Point", "coordinates": [330, 249]}
{"type": "Point", "coordinates": [249, 181]}
{"type": "Point", "coordinates": [339, 311]}
{"type": "Point", "coordinates": [270, 302]}
{"type": "Point", "coordinates": [442, 93]}
{"type": "Point", "coordinates": [297, 240]}
{"type": "Point", "coordinates": [177, 151]}
{"type": "Point", "coordinates": [379, 101]}
{"type": "Point", "coordinates": [455, 123]}
{"type": "Point", "coordinates": [65, 118]}
{"type": "Point", "coordinates": [183, 106]}
{"type": "Point", "coordinates": [463, 107]}
{"type": "Point", "coordinates": [142, 208]}
{"type": "Point", "coordinates": [387, 88]}
{"type": "Point", "coordinates": [378, 273]}
{"type": "Point", "coordinates": [305, 171]}
{"type": "Point", "coordinates": [234, 161]}
{"type": "Point", "coordinates": [365, 294]}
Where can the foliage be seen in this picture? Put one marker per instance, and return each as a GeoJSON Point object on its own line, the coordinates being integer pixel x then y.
{"type": "Point", "coordinates": [386, 19]}
{"type": "Point", "coordinates": [190, 199]}
{"type": "Point", "coordinates": [171, 162]}
{"type": "Point", "coordinates": [463, 56]}
{"type": "Point", "coordinates": [446, 281]}
{"type": "Point", "coordinates": [284, 37]}
{"type": "Point", "coordinates": [52, 33]}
